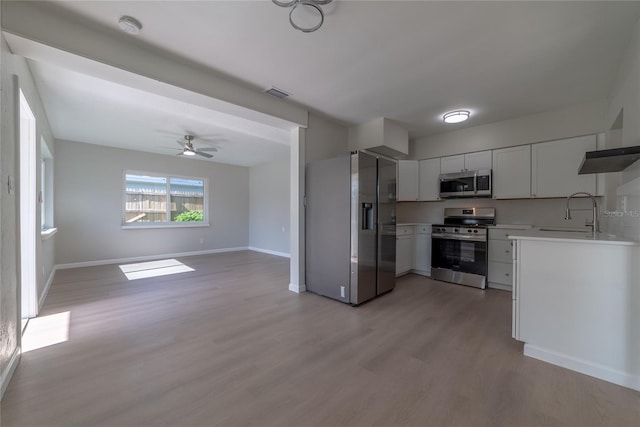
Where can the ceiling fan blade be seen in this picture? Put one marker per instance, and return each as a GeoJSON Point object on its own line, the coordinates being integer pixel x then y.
{"type": "Point", "coordinates": [214, 149]}
{"type": "Point", "coordinates": [200, 153]}
{"type": "Point", "coordinates": [180, 143]}
{"type": "Point", "coordinates": [180, 153]}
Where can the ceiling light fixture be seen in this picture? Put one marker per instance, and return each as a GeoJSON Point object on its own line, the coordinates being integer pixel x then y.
{"type": "Point", "coordinates": [456, 116]}
{"type": "Point", "coordinates": [188, 152]}
{"type": "Point", "coordinates": [130, 25]}
{"type": "Point", "coordinates": [310, 7]}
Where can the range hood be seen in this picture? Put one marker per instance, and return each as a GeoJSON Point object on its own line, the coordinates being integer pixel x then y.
{"type": "Point", "coordinates": [611, 160]}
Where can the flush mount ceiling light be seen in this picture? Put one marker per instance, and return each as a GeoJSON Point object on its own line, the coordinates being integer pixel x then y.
{"type": "Point", "coordinates": [456, 116]}
{"type": "Point", "coordinates": [130, 25]}
{"type": "Point", "coordinates": [305, 10]}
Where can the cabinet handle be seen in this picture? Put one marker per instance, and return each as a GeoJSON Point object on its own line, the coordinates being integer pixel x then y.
{"type": "Point", "coordinates": [506, 252]}
{"type": "Point", "coordinates": [506, 274]}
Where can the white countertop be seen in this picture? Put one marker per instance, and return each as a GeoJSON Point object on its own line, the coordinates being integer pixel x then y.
{"type": "Point", "coordinates": [404, 224]}
{"type": "Point", "coordinates": [512, 226]}
{"type": "Point", "coordinates": [573, 237]}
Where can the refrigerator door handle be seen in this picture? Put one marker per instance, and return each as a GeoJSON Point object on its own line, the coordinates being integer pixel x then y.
{"type": "Point", "coordinates": [367, 216]}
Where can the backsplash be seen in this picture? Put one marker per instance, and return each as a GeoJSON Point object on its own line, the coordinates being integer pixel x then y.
{"type": "Point", "coordinates": [539, 212]}
{"type": "Point", "coordinates": [625, 219]}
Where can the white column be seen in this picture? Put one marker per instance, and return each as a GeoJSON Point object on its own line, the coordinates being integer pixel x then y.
{"type": "Point", "coordinates": [297, 272]}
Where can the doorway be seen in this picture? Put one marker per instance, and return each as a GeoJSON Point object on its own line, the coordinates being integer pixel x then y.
{"type": "Point", "coordinates": [27, 201]}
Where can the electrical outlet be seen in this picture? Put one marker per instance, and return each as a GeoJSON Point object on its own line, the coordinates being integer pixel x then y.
{"type": "Point", "coordinates": [283, 228]}
{"type": "Point", "coordinates": [10, 185]}
{"type": "Point", "coordinates": [202, 240]}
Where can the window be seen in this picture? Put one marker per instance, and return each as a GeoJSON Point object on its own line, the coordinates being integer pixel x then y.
{"type": "Point", "coordinates": [45, 195]}
{"type": "Point", "coordinates": [151, 199]}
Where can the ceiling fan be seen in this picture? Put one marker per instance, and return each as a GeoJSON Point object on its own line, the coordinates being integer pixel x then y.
{"type": "Point", "coordinates": [189, 150]}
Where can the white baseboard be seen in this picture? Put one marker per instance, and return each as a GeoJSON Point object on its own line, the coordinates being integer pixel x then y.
{"type": "Point", "coordinates": [147, 258]}
{"type": "Point", "coordinates": [46, 287]}
{"type": "Point", "coordinates": [10, 369]}
{"type": "Point", "coordinates": [596, 370]}
{"type": "Point", "coordinates": [500, 286]}
{"type": "Point", "coordinates": [426, 273]}
{"type": "Point", "coordinates": [270, 252]}
{"type": "Point", "coordinates": [297, 288]}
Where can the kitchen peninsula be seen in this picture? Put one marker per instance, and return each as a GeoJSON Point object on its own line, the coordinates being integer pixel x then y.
{"type": "Point", "coordinates": [576, 302]}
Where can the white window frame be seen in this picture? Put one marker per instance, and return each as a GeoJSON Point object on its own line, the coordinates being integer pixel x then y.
{"type": "Point", "coordinates": [168, 223]}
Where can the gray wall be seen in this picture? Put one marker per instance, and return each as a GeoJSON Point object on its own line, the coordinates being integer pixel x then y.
{"type": "Point", "coordinates": [89, 204]}
{"type": "Point", "coordinates": [539, 212]}
{"type": "Point", "coordinates": [581, 119]}
{"type": "Point", "coordinates": [571, 121]}
{"type": "Point", "coordinates": [13, 66]}
{"type": "Point", "coordinates": [269, 189]}
{"type": "Point", "coordinates": [325, 138]}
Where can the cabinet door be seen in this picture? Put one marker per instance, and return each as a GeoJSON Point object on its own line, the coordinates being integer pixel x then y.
{"type": "Point", "coordinates": [429, 173]}
{"type": "Point", "coordinates": [500, 251]}
{"type": "Point", "coordinates": [554, 167]}
{"type": "Point", "coordinates": [451, 164]}
{"type": "Point", "coordinates": [407, 180]}
{"type": "Point", "coordinates": [512, 172]}
{"type": "Point", "coordinates": [500, 272]}
{"type": "Point", "coordinates": [422, 257]}
{"type": "Point", "coordinates": [404, 254]}
{"type": "Point", "coordinates": [479, 160]}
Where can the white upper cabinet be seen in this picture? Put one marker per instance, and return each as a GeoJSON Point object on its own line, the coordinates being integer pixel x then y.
{"type": "Point", "coordinates": [407, 180]}
{"type": "Point", "coordinates": [554, 167]}
{"type": "Point", "coordinates": [466, 162]}
{"type": "Point", "coordinates": [429, 174]}
{"type": "Point", "coordinates": [512, 173]}
{"type": "Point", "coordinates": [452, 164]}
{"type": "Point", "coordinates": [478, 160]}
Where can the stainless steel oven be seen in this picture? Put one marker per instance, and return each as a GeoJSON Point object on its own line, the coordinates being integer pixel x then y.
{"type": "Point", "coordinates": [459, 246]}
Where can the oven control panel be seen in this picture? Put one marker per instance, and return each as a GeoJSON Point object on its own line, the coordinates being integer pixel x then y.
{"type": "Point", "coordinates": [459, 232]}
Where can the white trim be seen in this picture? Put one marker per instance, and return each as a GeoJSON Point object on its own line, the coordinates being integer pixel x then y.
{"type": "Point", "coordinates": [48, 233]}
{"type": "Point", "coordinates": [297, 288]}
{"type": "Point", "coordinates": [166, 225]}
{"type": "Point", "coordinates": [426, 273]}
{"type": "Point", "coordinates": [500, 286]}
{"type": "Point", "coordinates": [270, 252]}
{"type": "Point", "coordinates": [46, 287]}
{"type": "Point", "coordinates": [147, 258]}
{"type": "Point", "coordinates": [8, 372]}
{"type": "Point", "coordinates": [602, 372]}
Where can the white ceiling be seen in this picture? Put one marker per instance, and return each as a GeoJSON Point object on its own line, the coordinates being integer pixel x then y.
{"type": "Point", "coordinates": [407, 60]}
{"type": "Point", "coordinates": [88, 109]}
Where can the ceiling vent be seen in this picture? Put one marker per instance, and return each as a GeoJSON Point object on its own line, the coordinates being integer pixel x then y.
{"type": "Point", "coordinates": [278, 93]}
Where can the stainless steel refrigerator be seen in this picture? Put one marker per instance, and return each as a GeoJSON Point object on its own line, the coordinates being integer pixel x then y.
{"type": "Point", "coordinates": [351, 227]}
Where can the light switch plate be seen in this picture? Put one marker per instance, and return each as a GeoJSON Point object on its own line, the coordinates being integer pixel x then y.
{"type": "Point", "coordinates": [10, 185]}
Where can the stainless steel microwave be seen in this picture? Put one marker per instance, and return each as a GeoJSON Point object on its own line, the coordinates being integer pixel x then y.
{"type": "Point", "coordinates": [475, 183]}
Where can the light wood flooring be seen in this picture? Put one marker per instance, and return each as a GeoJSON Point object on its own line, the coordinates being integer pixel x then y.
{"type": "Point", "coordinates": [229, 345]}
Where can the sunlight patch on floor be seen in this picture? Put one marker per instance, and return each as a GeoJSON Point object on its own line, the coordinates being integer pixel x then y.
{"type": "Point", "coordinates": [144, 270]}
{"type": "Point", "coordinates": [44, 331]}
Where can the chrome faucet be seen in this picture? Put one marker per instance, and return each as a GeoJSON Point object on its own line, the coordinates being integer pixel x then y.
{"type": "Point", "coordinates": [594, 224]}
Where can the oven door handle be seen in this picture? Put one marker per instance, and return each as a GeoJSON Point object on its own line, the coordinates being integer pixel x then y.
{"type": "Point", "coordinates": [461, 238]}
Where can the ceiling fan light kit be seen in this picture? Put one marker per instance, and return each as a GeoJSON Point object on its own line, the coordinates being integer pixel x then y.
{"type": "Point", "coordinates": [310, 6]}
{"type": "Point", "coordinates": [189, 150]}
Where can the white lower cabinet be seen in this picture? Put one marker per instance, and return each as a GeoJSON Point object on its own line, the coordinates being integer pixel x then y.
{"type": "Point", "coordinates": [422, 260]}
{"type": "Point", "coordinates": [404, 249]}
{"type": "Point", "coordinates": [413, 249]}
{"type": "Point", "coordinates": [500, 268]}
